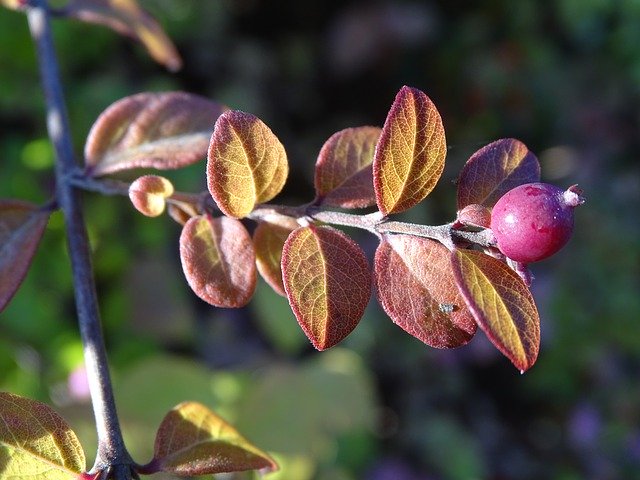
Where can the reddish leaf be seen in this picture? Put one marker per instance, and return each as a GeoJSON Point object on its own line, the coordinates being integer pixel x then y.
{"type": "Point", "coordinates": [148, 194]}
{"type": "Point", "coordinates": [416, 288]}
{"type": "Point", "coordinates": [151, 130]}
{"type": "Point", "coordinates": [268, 241]}
{"type": "Point", "coordinates": [501, 304]}
{"type": "Point", "coordinates": [328, 283]}
{"type": "Point", "coordinates": [494, 170]}
{"type": "Point", "coordinates": [36, 442]}
{"type": "Point", "coordinates": [246, 164]}
{"type": "Point", "coordinates": [21, 228]}
{"type": "Point", "coordinates": [218, 260]}
{"type": "Point", "coordinates": [127, 18]}
{"type": "Point", "coordinates": [344, 174]}
{"type": "Point", "coordinates": [192, 440]}
{"type": "Point", "coordinates": [409, 157]}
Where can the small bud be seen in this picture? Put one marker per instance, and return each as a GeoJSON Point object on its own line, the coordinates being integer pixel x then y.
{"type": "Point", "coordinates": [474, 215]}
{"type": "Point", "coordinates": [148, 194]}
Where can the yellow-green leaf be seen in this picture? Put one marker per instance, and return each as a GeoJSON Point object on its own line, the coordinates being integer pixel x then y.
{"type": "Point", "coordinates": [192, 440]}
{"type": "Point", "coordinates": [410, 154]}
{"type": "Point", "coordinates": [36, 443]}
{"type": "Point", "coordinates": [501, 304]}
{"type": "Point", "coordinates": [164, 131]}
{"type": "Point", "coordinates": [218, 260]}
{"type": "Point", "coordinates": [246, 165]}
{"type": "Point", "coordinates": [268, 241]}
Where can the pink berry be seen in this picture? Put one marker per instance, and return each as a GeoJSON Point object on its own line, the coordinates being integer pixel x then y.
{"type": "Point", "coordinates": [534, 221]}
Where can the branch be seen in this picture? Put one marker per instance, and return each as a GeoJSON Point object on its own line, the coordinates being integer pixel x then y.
{"type": "Point", "coordinates": [112, 455]}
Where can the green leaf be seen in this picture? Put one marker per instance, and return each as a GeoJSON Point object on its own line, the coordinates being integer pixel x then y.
{"type": "Point", "coordinates": [328, 283]}
{"type": "Point", "coordinates": [127, 18]}
{"type": "Point", "coordinates": [246, 165]}
{"type": "Point", "coordinates": [410, 154]}
{"type": "Point", "coordinates": [164, 131]}
{"type": "Point", "coordinates": [416, 288]}
{"type": "Point", "coordinates": [36, 442]}
{"type": "Point", "coordinates": [268, 241]}
{"type": "Point", "coordinates": [501, 304]}
{"type": "Point", "coordinates": [21, 228]}
{"type": "Point", "coordinates": [494, 170]}
{"type": "Point", "coordinates": [218, 260]}
{"type": "Point", "coordinates": [343, 173]}
{"type": "Point", "coordinates": [192, 440]}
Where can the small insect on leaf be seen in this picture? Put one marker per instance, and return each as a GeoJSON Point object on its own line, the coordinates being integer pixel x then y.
{"type": "Point", "coordinates": [501, 304]}
{"type": "Point", "coordinates": [409, 157]}
{"type": "Point", "coordinates": [328, 283]}
{"type": "Point", "coordinates": [246, 164]}
{"type": "Point", "coordinates": [36, 442]}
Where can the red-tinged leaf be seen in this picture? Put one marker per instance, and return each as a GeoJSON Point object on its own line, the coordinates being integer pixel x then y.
{"type": "Point", "coordinates": [218, 260]}
{"type": "Point", "coordinates": [501, 304]}
{"type": "Point", "coordinates": [410, 154]}
{"type": "Point", "coordinates": [148, 194]}
{"type": "Point", "coordinates": [14, 4]}
{"type": "Point", "coordinates": [36, 442]}
{"type": "Point", "coordinates": [164, 131]}
{"type": "Point", "coordinates": [416, 288]}
{"type": "Point", "coordinates": [21, 228]}
{"type": "Point", "coordinates": [246, 165]}
{"type": "Point", "coordinates": [328, 283]}
{"type": "Point", "coordinates": [192, 440]}
{"type": "Point", "coordinates": [344, 173]}
{"type": "Point", "coordinates": [268, 241]}
{"type": "Point", "coordinates": [127, 18]}
{"type": "Point", "coordinates": [494, 170]}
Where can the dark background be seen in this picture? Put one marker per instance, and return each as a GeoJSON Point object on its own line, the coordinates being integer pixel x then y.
{"type": "Point", "coordinates": [563, 77]}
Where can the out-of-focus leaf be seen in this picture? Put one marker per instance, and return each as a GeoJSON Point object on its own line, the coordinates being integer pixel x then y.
{"type": "Point", "coordinates": [192, 440]}
{"type": "Point", "coordinates": [218, 260]}
{"type": "Point", "coordinates": [148, 194]}
{"type": "Point", "coordinates": [268, 241]}
{"type": "Point", "coordinates": [36, 442]}
{"type": "Point", "coordinates": [14, 4]}
{"type": "Point", "coordinates": [494, 170]}
{"type": "Point", "coordinates": [165, 131]}
{"type": "Point", "coordinates": [246, 165]}
{"type": "Point", "coordinates": [501, 304]}
{"type": "Point", "coordinates": [416, 288]}
{"type": "Point", "coordinates": [328, 283]}
{"type": "Point", "coordinates": [127, 18]}
{"type": "Point", "coordinates": [343, 173]}
{"type": "Point", "coordinates": [21, 228]}
{"type": "Point", "coordinates": [410, 154]}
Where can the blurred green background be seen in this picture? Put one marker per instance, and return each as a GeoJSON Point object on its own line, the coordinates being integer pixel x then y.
{"type": "Point", "coordinates": [563, 77]}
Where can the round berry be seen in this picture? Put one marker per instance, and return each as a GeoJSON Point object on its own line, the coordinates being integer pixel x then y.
{"type": "Point", "coordinates": [534, 221]}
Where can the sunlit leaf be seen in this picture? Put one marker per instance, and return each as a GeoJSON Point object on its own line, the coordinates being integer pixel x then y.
{"type": "Point", "coordinates": [151, 130]}
{"type": "Point", "coordinates": [328, 283]}
{"type": "Point", "coordinates": [268, 241]}
{"type": "Point", "coordinates": [21, 228]}
{"type": "Point", "coordinates": [494, 170]}
{"type": "Point", "coordinates": [148, 194]}
{"type": "Point", "coordinates": [14, 4]}
{"type": "Point", "coordinates": [192, 440]}
{"type": "Point", "coordinates": [218, 260]}
{"type": "Point", "coordinates": [246, 165]}
{"type": "Point", "coordinates": [501, 304]}
{"type": "Point", "coordinates": [344, 173]}
{"type": "Point", "coordinates": [410, 154]}
{"type": "Point", "coordinates": [127, 18]}
{"type": "Point", "coordinates": [416, 288]}
{"type": "Point", "coordinates": [36, 442]}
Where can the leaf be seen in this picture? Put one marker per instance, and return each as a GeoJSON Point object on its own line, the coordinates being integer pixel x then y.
{"type": "Point", "coordinates": [344, 173]}
{"type": "Point", "coordinates": [36, 442]}
{"type": "Point", "coordinates": [21, 227]}
{"type": "Point", "coordinates": [192, 440]}
{"type": "Point", "coordinates": [268, 241]}
{"type": "Point", "coordinates": [409, 157]}
{"type": "Point", "coordinates": [416, 288]}
{"type": "Point", "coordinates": [494, 170]}
{"type": "Point", "coordinates": [246, 165]}
{"type": "Point", "coordinates": [218, 260]}
{"type": "Point", "coordinates": [328, 283]}
{"type": "Point", "coordinates": [148, 194]}
{"type": "Point", "coordinates": [14, 4]}
{"type": "Point", "coordinates": [501, 304]}
{"type": "Point", "coordinates": [127, 18]}
{"type": "Point", "coordinates": [164, 131]}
